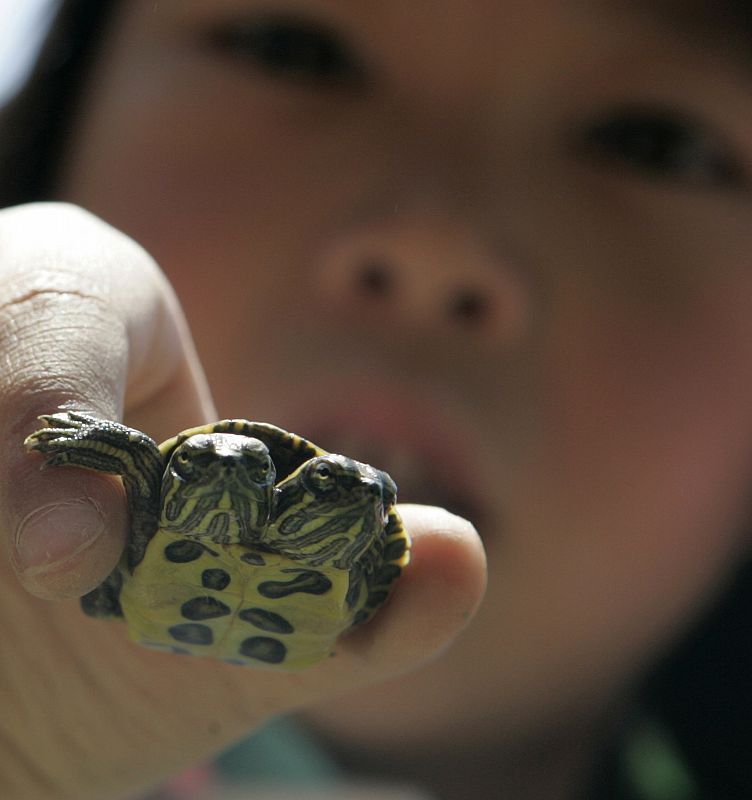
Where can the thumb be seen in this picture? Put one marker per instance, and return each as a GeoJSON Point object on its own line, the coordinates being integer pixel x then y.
{"type": "Point", "coordinates": [433, 601]}
{"type": "Point", "coordinates": [87, 321]}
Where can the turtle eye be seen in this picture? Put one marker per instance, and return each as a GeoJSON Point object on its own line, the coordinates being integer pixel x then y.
{"type": "Point", "coordinates": [322, 472]}
{"type": "Point", "coordinates": [261, 471]}
{"type": "Point", "coordinates": [182, 463]}
{"type": "Point", "coordinates": [321, 476]}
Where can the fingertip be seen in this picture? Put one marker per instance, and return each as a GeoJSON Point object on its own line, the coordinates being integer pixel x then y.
{"type": "Point", "coordinates": [67, 530]}
{"type": "Point", "coordinates": [447, 549]}
{"type": "Point", "coordinates": [435, 598]}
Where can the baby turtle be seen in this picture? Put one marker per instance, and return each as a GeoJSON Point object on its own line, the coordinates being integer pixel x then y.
{"type": "Point", "coordinates": [248, 543]}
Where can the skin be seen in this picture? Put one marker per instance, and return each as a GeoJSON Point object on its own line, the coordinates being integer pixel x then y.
{"type": "Point", "coordinates": [593, 404]}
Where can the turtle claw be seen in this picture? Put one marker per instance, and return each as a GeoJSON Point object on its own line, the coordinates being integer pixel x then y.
{"type": "Point", "coordinates": [67, 422]}
{"type": "Point", "coordinates": [69, 419]}
{"type": "Point", "coordinates": [61, 428]}
{"type": "Point", "coordinates": [49, 442]}
{"type": "Point", "coordinates": [79, 439]}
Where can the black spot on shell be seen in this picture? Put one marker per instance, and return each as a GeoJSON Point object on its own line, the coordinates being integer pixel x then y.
{"type": "Point", "coordinates": [183, 551]}
{"type": "Point", "coordinates": [306, 581]}
{"type": "Point", "coordinates": [266, 620]}
{"type": "Point", "coordinates": [395, 549]}
{"type": "Point", "coordinates": [198, 608]}
{"type": "Point", "coordinates": [264, 648]}
{"type": "Point", "coordinates": [253, 558]}
{"type": "Point", "coordinates": [215, 579]}
{"type": "Point", "coordinates": [191, 633]}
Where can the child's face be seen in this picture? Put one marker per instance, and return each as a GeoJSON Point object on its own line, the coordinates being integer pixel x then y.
{"type": "Point", "coordinates": [499, 249]}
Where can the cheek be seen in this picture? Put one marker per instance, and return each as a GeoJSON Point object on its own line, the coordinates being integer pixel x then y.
{"type": "Point", "coordinates": [197, 211]}
{"type": "Point", "coordinates": [648, 440]}
{"type": "Point", "coordinates": [619, 523]}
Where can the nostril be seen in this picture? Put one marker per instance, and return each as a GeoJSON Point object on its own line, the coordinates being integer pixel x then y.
{"type": "Point", "coordinates": [468, 306]}
{"type": "Point", "coordinates": [375, 279]}
{"type": "Point", "coordinates": [429, 276]}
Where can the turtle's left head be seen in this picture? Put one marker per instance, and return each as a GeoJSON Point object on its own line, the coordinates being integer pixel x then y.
{"type": "Point", "coordinates": [330, 511]}
{"type": "Point", "coordinates": [218, 487]}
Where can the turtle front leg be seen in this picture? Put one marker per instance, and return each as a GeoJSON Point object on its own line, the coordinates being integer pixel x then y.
{"type": "Point", "coordinates": [103, 446]}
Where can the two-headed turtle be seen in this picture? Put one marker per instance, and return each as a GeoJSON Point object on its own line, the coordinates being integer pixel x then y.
{"type": "Point", "coordinates": [248, 543]}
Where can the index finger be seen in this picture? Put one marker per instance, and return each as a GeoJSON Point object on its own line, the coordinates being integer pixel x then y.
{"type": "Point", "coordinates": [87, 321]}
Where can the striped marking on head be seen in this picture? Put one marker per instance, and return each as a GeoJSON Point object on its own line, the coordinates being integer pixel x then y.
{"type": "Point", "coordinates": [218, 487]}
{"type": "Point", "coordinates": [330, 511]}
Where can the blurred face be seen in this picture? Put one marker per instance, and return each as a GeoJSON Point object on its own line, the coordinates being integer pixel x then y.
{"type": "Point", "coordinates": [501, 250]}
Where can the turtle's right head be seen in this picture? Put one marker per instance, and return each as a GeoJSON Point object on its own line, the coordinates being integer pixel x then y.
{"type": "Point", "coordinates": [218, 487]}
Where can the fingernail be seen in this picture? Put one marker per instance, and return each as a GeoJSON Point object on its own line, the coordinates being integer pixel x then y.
{"type": "Point", "coordinates": [55, 533]}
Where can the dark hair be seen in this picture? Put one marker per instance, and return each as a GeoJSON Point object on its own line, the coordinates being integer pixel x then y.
{"type": "Point", "coordinates": [702, 692]}
{"type": "Point", "coordinates": [35, 125]}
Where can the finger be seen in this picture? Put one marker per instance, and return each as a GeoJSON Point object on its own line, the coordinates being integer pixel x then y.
{"type": "Point", "coordinates": [432, 602]}
{"type": "Point", "coordinates": [430, 605]}
{"type": "Point", "coordinates": [108, 677]}
{"type": "Point", "coordinates": [87, 321]}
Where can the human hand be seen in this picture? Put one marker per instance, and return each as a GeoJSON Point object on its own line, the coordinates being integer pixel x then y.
{"type": "Point", "coordinates": [87, 321]}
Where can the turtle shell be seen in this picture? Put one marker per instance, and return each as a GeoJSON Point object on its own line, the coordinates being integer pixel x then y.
{"type": "Point", "coordinates": [257, 605]}
{"type": "Point", "coordinates": [248, 543]}
{"type": "Point", "coordinates": [288, 450]}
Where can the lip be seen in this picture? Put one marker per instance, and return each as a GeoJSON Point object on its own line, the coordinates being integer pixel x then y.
{"type": "Point", "coordinates": [430, 452]}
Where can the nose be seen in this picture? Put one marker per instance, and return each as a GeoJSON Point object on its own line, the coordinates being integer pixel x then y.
{"type": "Point", "coordinates": [430, 276]}
{"type": "Point", "coordinates": [229, 462]}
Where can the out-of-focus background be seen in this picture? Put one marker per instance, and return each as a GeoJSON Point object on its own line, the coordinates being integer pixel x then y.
{"type": "Point", "coordinates": [22, 26]}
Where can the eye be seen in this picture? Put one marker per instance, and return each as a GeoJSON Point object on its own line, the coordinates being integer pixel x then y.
{"type": "Point", "coordinates": [664, 145]}
{"type": "Point", "coordinates": [289, 48]}
{"type": "Point", "coordinates": [182, 463]}
{"type": "Point", "coordinates": [322, 472]}
{"type": "Point", "coordinates": [321, 476]}
{"type": "Point", "coordinates": [264, 467]}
